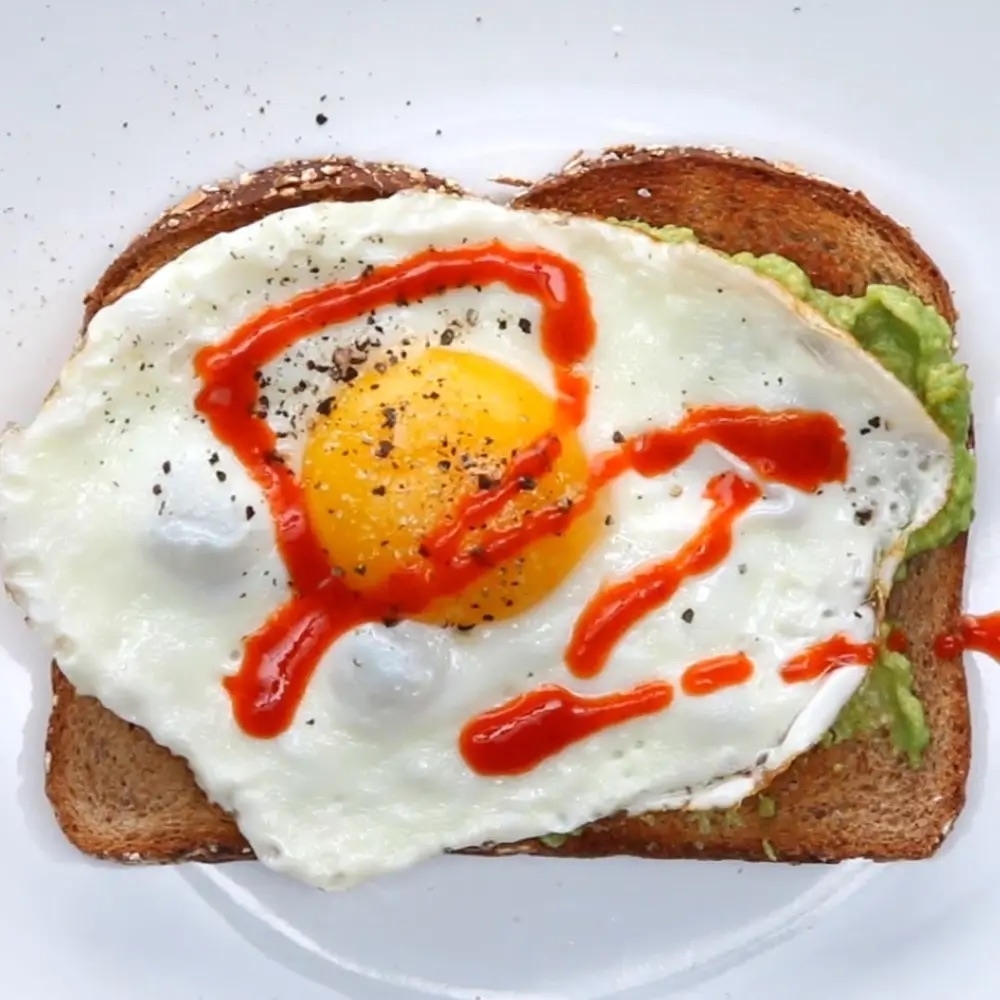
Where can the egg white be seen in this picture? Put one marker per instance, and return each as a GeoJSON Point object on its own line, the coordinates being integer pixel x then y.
{"type": "Point", "coordinates": [143, 552]}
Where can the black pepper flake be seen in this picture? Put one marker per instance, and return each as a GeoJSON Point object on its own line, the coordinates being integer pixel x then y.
{"type": "Point", "coordinates": [324, 406]}
{"type": "Point", "coordinates": [250, 512]}
{"type": "Point", "coordinates": [388, 416]}
{"type": "Point", "coordinates": [390, 622]}
{"type": "Point", "coordinates": [478, 553]}
{"type": "Point", "coordinates": [608, 521]}
{"type": "Point", "coordinates": [618, 437]}
{"type": "Point", "coordinates": [220, 475]}
{"type": "Point", "coordinates": [310, 722]}
{"type": "Point", "coordinates": [384, 449]}
{"type": "Point", "coordinates": [444, 465]}
{"type": "Point", "coordinates": [875, 422]}
{"type": "Point", "coordinates": [488, 618]}
{"type": "Point", "coordinates": [157, 489]}
{"type": "Point", "coordinates": [361, 569]}
{"type": "Point", "coordinates": [688, 615]}
{"type": "Point", "coordinates": [863, 516]}
{"type": "Point", "coordinates": [379, 491]}
{"type": "Point", "coordinates": [213, 459]}
{"type": "Point", "coordinates": [166, 468]}
{"type": "Point", "coordinates": [485, 482]}
{"type": "Point", "coordinates": [321, 119]}
{"type": "Point", "coordinates": [524, 325]}
{"type": "Point", "coordinates": [865, 430]}
{"type": "Point", "coordinates": [502, 323]}
{"type": "Point", "coordinates": [465, 627]}
{"type": "Point", "coordinates": [527, 483]}
{"type": "Point", "coordinates": [447, 337]}
{"type": "Point", "coordinates": [742, 568]}
{"type": "Point", "coordinates": [350, 374]}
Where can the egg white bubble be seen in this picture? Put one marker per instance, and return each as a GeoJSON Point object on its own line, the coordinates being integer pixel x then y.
{"type": "Point", "coordinates": [201, 535]}
{"type": "Point", "coordinates": [147, 582]}
{"type": "Point", "coordinates": [386, 676]}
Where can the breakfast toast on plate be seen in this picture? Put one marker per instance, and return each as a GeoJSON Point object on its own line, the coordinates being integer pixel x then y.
{"type": "Point", "coordinates": [119, 795]}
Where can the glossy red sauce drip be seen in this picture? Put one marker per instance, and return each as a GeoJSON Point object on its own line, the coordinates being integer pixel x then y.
{"type": "Point", "coordinates": [518, 735]}
{"type": "Point", "coordinates": [976, 632]}
{"type": "Point", "coordinates": [820, 659]}
{"type": "Point", "coordinates": [897, 641]}
{"type": "Point", "coordinates": [798, 448]}
{"type": "Point", "coordinates": [709, 676]}
{"type": "Point", "coordinates": [616, 608]}
{"type": "Point", "coordinates": [280, 657]}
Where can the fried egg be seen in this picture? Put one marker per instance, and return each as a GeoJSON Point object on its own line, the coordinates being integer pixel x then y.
{"type": "Point", "coordinates": [175, 529]}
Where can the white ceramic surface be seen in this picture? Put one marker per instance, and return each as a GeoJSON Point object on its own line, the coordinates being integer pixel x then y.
{"type": "Point", "coordinates": [108, 110]}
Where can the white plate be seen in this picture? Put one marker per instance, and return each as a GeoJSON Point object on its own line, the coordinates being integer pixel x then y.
{"type": "Point", "coordinates": [112, 109]}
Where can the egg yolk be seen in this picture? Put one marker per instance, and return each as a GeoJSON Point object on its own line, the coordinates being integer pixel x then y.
{"type": "Point", "coordinates": [389, 462]}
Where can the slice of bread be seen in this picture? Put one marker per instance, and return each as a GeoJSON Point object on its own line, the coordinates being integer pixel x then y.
{"type": "Point", "coordinates": [118, 795]}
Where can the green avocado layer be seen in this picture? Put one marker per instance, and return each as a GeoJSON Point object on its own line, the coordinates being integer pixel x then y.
{"type": "Point", "coordinates": [914, 342]}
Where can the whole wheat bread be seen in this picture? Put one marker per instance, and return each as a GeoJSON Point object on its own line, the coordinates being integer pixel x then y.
{"type": "Point", "coordinates": [119, 795]}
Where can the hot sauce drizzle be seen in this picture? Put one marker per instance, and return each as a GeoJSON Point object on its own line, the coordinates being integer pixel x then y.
{"type": "Point", "coordinates": [709, 676]}
{"type": "Point", "coordinates": [897, 642]}
{"type": "Point", "coordinates": [798, 448]}
{"type": "Point", "coordinates": [838, 651]}
{"type": "Point", "coordinates": [977, 632]}
{"type": "Point", "coordinates": [280, 657]}
{"type": "Point", "coordinates": [794, 447]}
{"type": "Point", "coordinates": [616, 608]}
{"type": "Point", "coordinates": [521, 733]}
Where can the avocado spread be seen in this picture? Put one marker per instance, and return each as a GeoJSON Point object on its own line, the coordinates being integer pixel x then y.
{"type": "Point", "coordinates": [914, 342]}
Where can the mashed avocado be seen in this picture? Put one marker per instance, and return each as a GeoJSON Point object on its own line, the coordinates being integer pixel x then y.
{"type": "Point", "coordinates": [913, 342]}
{"type": "Point", "coordinates": [886, 701]}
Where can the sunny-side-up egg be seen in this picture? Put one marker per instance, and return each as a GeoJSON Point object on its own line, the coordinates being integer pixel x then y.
{"type": "Point", "coordinates": [425, 522]}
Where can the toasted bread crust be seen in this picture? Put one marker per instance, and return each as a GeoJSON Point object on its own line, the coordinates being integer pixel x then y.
{"type": "Point", "coordinates": [738, 203]}
{"type": "Point", "coordinates": [119, 795]}
{"type": "Point", "coordinates": [230, 204]}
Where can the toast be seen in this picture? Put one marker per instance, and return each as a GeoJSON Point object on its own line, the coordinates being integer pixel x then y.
{"type": "Point", "coordinates": [118, 795]}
